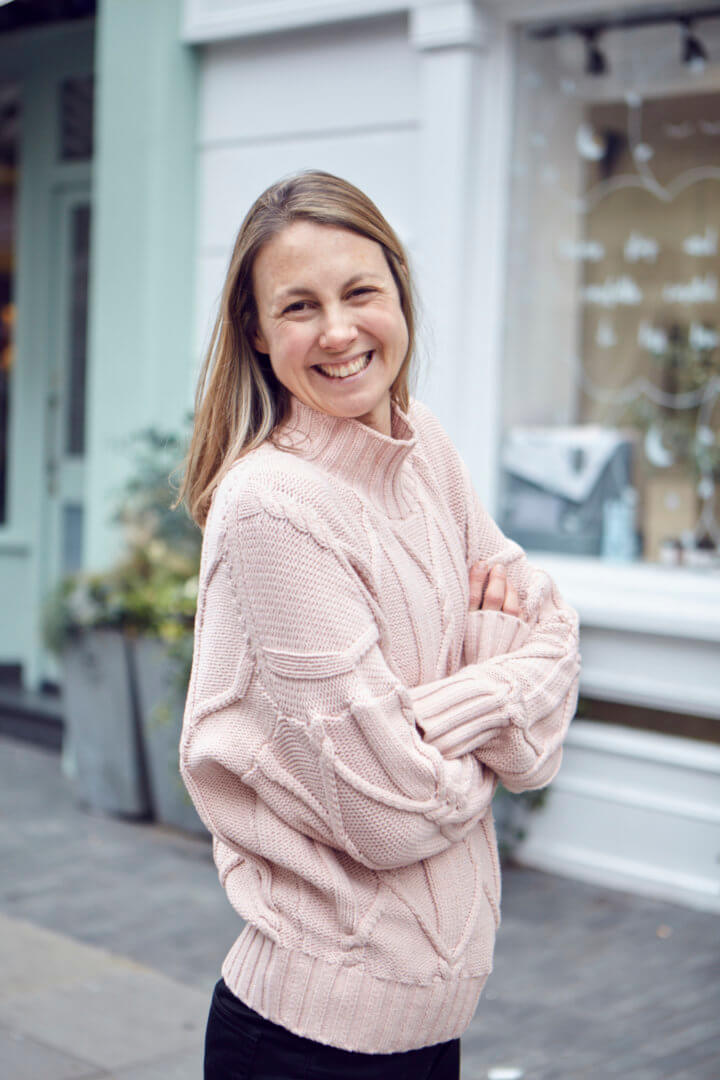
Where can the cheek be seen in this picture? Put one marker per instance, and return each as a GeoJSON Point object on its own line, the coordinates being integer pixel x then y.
{"type": "Point", "coordinates": [396, 331]}
{"type": "Point", "coordinates": [288, 347]}
{"type": "Point", "coordinates": [405, 338]}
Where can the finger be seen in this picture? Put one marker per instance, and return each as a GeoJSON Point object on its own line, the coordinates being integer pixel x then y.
{"type": "Point", "coordinates": [494, 597]}
{"type": "Point", "coordinates": [512, 601]}
{"type": "Point", "coordinates": [478, 577]}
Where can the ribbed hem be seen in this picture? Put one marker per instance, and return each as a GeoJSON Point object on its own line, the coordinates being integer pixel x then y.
{"type": "Point", "coordinates": [342, 1005]}
{"type": "Point", "coordinates": [492, 633]}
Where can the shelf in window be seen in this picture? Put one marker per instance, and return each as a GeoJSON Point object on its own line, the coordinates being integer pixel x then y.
{"type": "Point", "coordinates": [643, 597]}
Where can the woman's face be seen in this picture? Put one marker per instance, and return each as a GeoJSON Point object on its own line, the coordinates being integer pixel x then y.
{"type": "Point", "coordinates": [329, 317]}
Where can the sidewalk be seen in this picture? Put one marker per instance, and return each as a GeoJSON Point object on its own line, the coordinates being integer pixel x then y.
{"type": "Point", "coordinates": [112, 934]}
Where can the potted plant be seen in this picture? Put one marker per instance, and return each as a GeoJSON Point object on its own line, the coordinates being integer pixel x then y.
{"type": "Point", "coordinates": [165, 548]}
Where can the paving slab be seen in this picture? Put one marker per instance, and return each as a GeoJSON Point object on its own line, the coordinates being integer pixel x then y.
{"type": "Point", "coordinates": [187, 1065]}
{"type": "Point", "coordinates": [23, 1058]}
{"type": "Point", "coordinates": [33, 959]}
{"type": "Point", "coordinates": [71, 1010]}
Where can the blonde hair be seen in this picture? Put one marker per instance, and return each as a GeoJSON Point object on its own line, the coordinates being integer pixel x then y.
{"type": "Point", "coordinates": [239, 401]}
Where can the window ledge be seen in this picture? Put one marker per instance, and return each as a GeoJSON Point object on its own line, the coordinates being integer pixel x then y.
{"type": "Point", "coordinates": [641, 597]}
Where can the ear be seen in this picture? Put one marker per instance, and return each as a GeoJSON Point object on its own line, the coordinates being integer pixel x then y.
{"type": "Point", "coordinates": [259, 341]}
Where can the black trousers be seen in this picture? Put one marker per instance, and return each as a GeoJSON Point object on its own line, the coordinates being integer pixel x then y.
{"type": "Point", "coordinates": [242, 1045]}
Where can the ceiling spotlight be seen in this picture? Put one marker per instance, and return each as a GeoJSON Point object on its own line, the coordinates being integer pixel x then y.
{"type": "Point", "coordinates": [595, 62]}
{"type": "Point", "coordinates": [694, 54]}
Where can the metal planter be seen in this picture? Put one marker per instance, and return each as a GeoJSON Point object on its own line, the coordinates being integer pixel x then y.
{"type": "Point", "coordinates": [102, 743]}
{"type": "Point", "coordinates": [160, 707]}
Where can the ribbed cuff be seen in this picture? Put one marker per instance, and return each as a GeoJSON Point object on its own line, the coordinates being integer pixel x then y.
{"type": "Point", "coordinates": [492, 633]}
{"type": "Point", "coordinates": [451, 711]}
{"type": "Point", "coordinates": [342, 1005]}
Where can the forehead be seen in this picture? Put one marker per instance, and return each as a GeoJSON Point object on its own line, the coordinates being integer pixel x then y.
{"type": "Point", "coordinates": [315, 253]}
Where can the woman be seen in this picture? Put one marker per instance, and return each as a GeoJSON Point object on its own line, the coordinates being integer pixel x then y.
{"type": "Point", "coordinates": [371, 656]}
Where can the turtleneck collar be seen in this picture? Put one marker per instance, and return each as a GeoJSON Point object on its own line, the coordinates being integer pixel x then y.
{"type": "Point", "coordinates": [362, 456]}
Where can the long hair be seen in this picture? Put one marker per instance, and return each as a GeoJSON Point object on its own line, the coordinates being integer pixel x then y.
{"type": "Point", "coordinates": [239, 401]}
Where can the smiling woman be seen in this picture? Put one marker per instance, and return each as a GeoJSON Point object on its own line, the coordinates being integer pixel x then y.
{"type": "Point", "coordinates": [371, 656]}
{"type": "Point", "coordinates": [241, 400]}
{"type": "Point", "coordinates": [330, 319]}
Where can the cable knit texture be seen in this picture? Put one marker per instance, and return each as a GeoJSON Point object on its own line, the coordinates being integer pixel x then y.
{"type": "Point", "coordinates": [347, 721]}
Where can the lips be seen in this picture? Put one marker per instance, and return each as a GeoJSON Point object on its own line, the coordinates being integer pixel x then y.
{"type": "Point", "coordinates": [347, 368]}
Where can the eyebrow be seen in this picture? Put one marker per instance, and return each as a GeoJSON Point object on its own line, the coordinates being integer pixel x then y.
{"type": "Point", "coordinates": [303, 290]}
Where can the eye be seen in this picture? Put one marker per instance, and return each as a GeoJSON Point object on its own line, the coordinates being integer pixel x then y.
{"type": "Point", "coordinates": [362, 290]}
{"type": "Point", "coordinates": [297, 305]}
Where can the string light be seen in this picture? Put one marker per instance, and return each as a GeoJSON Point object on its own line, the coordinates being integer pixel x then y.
{"type": "Point", "coordinates": [595, 60]}
{"type": "Point", "coordinates": [694, 55]}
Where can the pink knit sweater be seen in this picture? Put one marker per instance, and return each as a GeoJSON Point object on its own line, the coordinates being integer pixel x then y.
{"type": "Point", "coordinates": [348, 719]}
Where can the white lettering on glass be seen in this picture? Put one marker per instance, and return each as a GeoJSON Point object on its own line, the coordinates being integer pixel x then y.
{"type": "Point", "coordinates": [582, 250]}
{"type": "Point", "coordinates": [698, 291]}
{"type": "Point", "coordinates": [679, 131]}
{"type": "Point", "coordinates": [652, 338]}
{"type": "Point", "coordinates": [613, 291]}
{"type": "Point", "coordinates": [640, 248]}
{"type": "Point", "coordinates": [703, 337]}
{"type": "Point", "coordinates": [605, 336]}
{"type": "Point", "coordinates": [701, 244]}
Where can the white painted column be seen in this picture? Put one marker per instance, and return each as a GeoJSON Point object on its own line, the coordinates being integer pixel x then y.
{"type": "Point", "coordinates": [465, 92]}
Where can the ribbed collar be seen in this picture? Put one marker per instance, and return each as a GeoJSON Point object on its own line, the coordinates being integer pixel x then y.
{"type": "Point", "coordinates": [368, 461]}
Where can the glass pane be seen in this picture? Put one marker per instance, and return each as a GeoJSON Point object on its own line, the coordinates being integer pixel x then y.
{"type": "Point", "coordinates": [77, 357]}
{"type": "Point", "coordinates": [612, 377]}
{"type": "Point", "coordinates": [9, 142]}
{"type": "Point", "coordinates": [76, 119]}
{"type": "Point", "coordinates": [72, 538]}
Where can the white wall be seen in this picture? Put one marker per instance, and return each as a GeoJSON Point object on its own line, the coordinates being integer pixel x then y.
{"type": "Point", "coordinates": [335, 98]}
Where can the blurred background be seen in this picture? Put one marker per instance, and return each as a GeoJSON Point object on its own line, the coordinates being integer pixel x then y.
{"type": "Point", "coordinates": [553, 167]}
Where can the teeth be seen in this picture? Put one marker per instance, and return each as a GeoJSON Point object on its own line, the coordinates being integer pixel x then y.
{"type": "Point", "coordinates": [341, 371]}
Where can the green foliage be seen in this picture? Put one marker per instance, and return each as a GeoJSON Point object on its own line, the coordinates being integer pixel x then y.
{"type": "Point", "coordinates": [153, 587]}
{"type": "Point", "coordinates": [145, 505]}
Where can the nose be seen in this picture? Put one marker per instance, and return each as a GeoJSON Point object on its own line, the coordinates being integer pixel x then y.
{"type": "Point", "coordinates": [338, 329]}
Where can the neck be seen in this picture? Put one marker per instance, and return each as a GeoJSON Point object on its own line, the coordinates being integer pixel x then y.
{"type": "Point", "coordinates": [370, 460]}
{"type": "Point", "coordinates": [380, 419]}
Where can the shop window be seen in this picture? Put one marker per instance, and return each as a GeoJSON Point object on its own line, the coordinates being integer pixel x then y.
{"type": "Point", "coordinates": [611, 399]}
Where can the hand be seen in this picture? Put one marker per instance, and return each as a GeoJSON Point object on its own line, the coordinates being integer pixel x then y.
{"type": "Point", "coordinates": [491, 591]}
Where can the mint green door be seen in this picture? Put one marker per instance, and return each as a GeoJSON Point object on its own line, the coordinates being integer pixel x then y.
{"type": "Point", "coordinates": [61, 540]}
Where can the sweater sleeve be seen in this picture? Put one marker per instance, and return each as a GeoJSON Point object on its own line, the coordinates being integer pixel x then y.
{"type": "Point", "coordinates": [291, 699]}
{"type": "Point", "coordinates": [533, 662]}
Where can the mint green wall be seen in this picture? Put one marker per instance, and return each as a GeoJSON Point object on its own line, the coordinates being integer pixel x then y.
{"type": "Point", "coordinates": [140, 349]}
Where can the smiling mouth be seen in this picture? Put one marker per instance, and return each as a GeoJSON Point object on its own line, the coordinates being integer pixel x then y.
{"type": "Point", "coordinates": [344, 371]}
